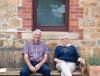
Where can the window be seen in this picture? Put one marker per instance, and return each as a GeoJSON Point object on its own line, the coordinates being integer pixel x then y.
{"type": "Point", "coordinates": [51, 15]}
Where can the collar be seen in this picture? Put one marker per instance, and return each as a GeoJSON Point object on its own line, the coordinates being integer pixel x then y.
{"type": "Point", "coordinates": [66, 45]}
{"type": "Point", "coordinates": [33, 42]}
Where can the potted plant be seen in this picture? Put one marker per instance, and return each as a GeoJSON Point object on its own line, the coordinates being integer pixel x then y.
{"type": "Point", "coordinates": [94, 66]}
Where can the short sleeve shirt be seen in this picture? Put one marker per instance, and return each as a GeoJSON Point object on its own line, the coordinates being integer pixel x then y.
{"type": "Point", "coordinates": [35, 51]}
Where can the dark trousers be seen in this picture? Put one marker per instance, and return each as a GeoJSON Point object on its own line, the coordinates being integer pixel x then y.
{"type": "Point", "coordinates": [44, 69]}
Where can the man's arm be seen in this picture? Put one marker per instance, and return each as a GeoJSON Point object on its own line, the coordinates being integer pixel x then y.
{"type": "Point", "coordinates": [57, 60]}
{"type": "Point", "coordinates": [56, 55]}
{"type": "Point", "coordinates": [32, 68]}
{"type": "Point", "coordinates": [44, 59]}
{"type": "Point", "coordinates": [37, 67]}
{"type": "Point", "coordinates": [79, 58]}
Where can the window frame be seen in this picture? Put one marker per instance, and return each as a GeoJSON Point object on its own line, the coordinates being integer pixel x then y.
{"type": "Point", "coordinates": [51, 28]}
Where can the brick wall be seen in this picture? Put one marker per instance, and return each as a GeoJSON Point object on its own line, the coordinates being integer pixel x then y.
{"type": "Point", "coordinates": [84, 26]}
{"type": "Point", "coordinates": [75, 13]}
{"type": "Point", "coordinates": [25, 11]}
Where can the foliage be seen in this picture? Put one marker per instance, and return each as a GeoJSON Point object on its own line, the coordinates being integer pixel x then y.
{"type": "Point", "coordinates": [94, 61]}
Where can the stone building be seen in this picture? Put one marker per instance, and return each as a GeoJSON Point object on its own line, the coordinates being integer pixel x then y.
{"type": "Point", "coordinates": [78, 18]}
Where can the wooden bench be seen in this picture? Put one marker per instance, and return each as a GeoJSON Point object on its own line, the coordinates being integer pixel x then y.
{"type": "Point", "coordinates": [11, 58]}
{"type": "Point", "coordinates": [16, 72]}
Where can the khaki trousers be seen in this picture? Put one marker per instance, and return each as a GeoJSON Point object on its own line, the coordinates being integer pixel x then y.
{"type": "Point", "coordinates": [66, 68]}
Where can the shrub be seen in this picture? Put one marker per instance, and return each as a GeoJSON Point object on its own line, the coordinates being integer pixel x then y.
{"type": "Point", "coordinates": [94, 61]}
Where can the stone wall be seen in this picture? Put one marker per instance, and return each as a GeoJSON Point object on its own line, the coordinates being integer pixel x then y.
{"type": "Point", "coordinates": [91, 26]}
{"type": "Point", "coordinates": [84, 25]}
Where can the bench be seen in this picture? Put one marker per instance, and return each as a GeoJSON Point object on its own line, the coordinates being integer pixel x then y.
{"type": "Point", "coordinates": [11, 58]}
{"type": "Point", "coordinates": [16, 72]}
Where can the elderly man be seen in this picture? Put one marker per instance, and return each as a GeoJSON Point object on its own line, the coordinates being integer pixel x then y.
{"type": "Point", "coordinates": [35, 55]}
{"type": "Point", "coordinates": [66, 56]}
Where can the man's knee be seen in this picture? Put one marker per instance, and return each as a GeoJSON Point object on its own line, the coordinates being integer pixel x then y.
{"type": "Point", "coordinates": [47, 70]}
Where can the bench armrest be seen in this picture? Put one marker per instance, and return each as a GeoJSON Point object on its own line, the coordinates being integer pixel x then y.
{"type": "Point", "coordinates": [83, 68]}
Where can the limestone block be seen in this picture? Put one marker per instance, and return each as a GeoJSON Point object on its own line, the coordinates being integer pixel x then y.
{"type": "Point", "coordinates": [10, 12]}
{"type": "Point", "coordinates": [3, 4]}
{"type": "Point", "coordinates": [96, 52]}
{"type": "Point", "coordinates": [97, 11]}
{"type": "Point", "coordinates": [95, 35]}
{"type": "Point", "coordinates": [1, 42]}
{"type": "Point", "coordinates": [87, 22]}
{"type": "Point", "coordinates": [5, 43]}
{"type": "Point", "coordinates": [76, 43]}
{"type": "Point", "coordinates": [19, 43]}
{"type": "Point", "coordinates": [88, 32]}
{"type": "Point", "coordinates": [15, 23]}
{"type": "Point", "coordinates": [97, 30]}
{"type": "Point", "coordinates": [84, 51]}
{"type": "Point", "coordinates": [88, 43]}
{"type": "Point", "coordinates": [98, 43]}
{"type": "Point", "coordinates": [10, 43]}
{"type": "Point", "coordinates": [14, 2]}
{"type": "Point", "coordinates": [87, 3]}
{"type": "Point", "coordinates": [98, 23]}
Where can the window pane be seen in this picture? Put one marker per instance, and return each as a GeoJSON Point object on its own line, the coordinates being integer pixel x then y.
{"type": "Point", "coordinates": [50, 12]}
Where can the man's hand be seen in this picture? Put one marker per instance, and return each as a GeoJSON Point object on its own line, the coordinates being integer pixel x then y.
{"type": "Point", "coordinates": [37, 67]}
{"type": "Point", "coordinates": [58, 60]}
{"type": "Point", "coordinates": [81, 60]}
{"type": "Point", "coordinates": [32, 69]}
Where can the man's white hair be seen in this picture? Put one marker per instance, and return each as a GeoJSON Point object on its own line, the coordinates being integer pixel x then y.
{"type": "Point", "coordinates": [37, 30]}
{"type": "Point", "coordinates": [62, 36]}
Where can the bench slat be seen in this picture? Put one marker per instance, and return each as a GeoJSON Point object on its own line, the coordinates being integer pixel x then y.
{"type": "Point", "coordinates": [16, 72]}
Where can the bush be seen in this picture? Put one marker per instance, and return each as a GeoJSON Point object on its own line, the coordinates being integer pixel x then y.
{"type": "Point", "coordinates": [94, 61]}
